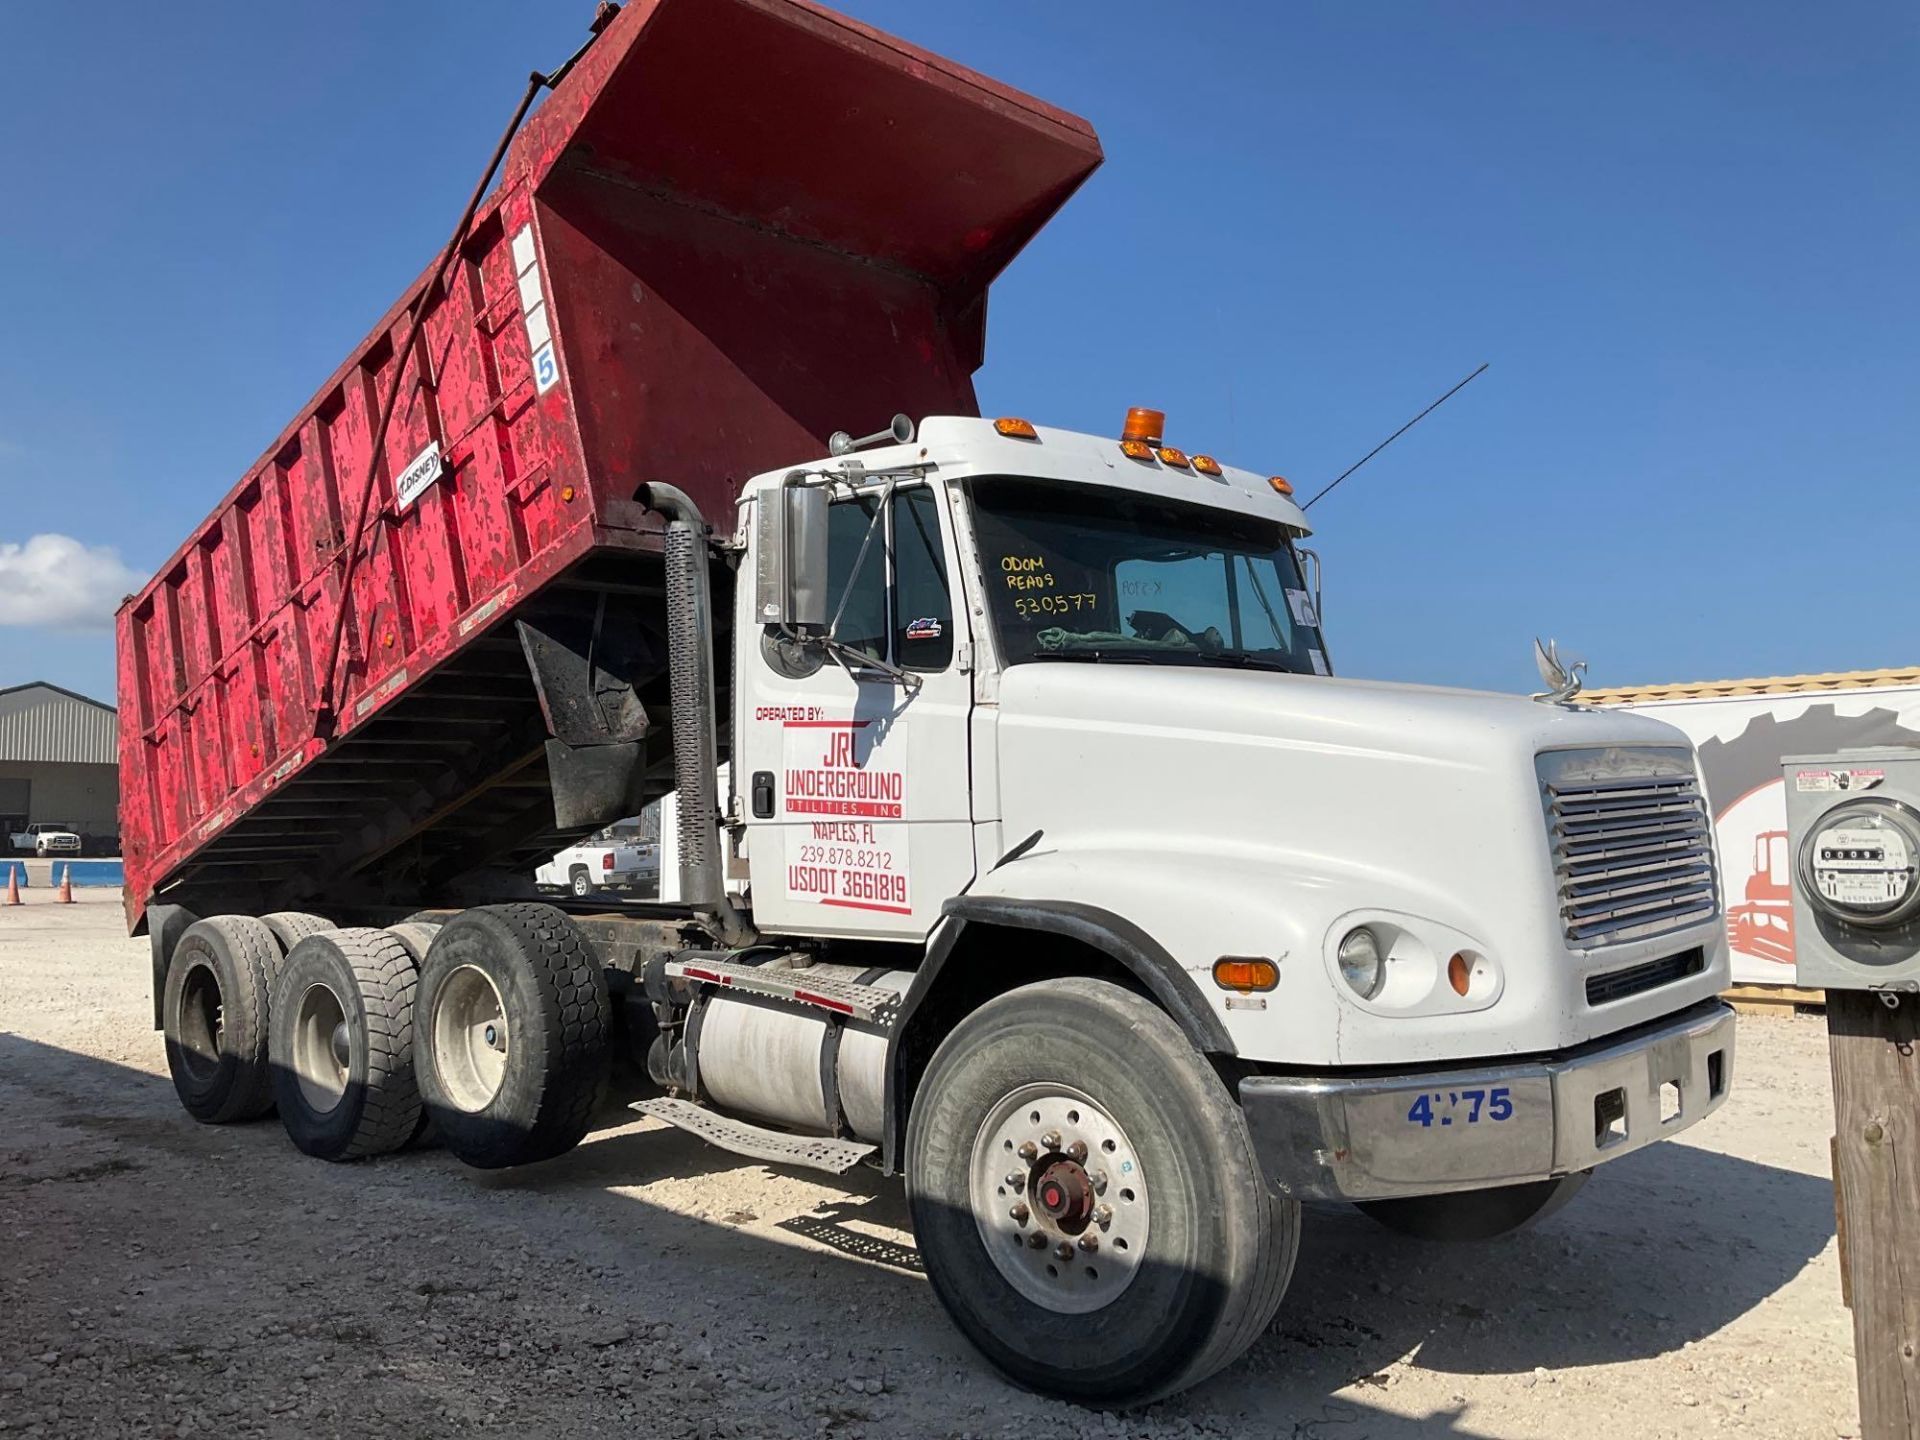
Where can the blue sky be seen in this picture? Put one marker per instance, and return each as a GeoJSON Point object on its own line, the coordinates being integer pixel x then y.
{"type": "Point", "coordinates": [1683, 235]}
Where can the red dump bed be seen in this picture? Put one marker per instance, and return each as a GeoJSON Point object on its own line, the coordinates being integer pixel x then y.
{"type": "Point", "coordinates": [737, 226]}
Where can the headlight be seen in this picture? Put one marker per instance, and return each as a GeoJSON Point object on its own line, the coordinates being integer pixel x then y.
{"type": "Point", "coordinates": [1361, 965]}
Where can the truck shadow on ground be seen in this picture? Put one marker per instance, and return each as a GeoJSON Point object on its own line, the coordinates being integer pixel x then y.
{"type": "Point", "coordinates": [1662, 1249]}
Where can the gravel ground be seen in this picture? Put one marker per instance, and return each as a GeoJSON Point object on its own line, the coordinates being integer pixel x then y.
{"type": "Point", "coordinates": [159, 1277]}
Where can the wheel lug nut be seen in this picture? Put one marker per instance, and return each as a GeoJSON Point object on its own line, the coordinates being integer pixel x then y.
{"type": "Point", "coordinates": [1089, 1241]}
{"type": "Point", "coordinates": [1077, 1151]}
{"type": "Point", "coordinates": [1019, 1214]}
{"type": "Point", "coordinates": [1051, 1140]}
{"type": "Point", "coordinates": [1037, 1241]}
{"type": "Point", "coordinates": [1028, 1151]}
{"type": "Point", "coordinates": [1016, 1181]}
{"type": "Point", "coordinates": [1063, 1251]}
{"type": "Point", "coordinates": [1100, 1182]}
{"type": "Point", "coordinates": [1103, 1215]}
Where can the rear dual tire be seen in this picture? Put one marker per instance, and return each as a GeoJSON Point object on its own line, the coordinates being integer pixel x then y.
{"type": "Point", "coordinates": [513, 1034]}
{"type": "Point", "coordinates": [342, 1044]}
{"type": "Point", "coordinates": [214, 1013]}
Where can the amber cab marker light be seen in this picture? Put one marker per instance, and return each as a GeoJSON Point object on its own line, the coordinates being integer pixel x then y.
{"type": "Point", "coordinates": [1231, 972]}
{"type": "Point", "coordinates": [1170, 456]}
{"type": "Point", "coordinates": [1460, 974]}
{"type": "Point", "coordinates": [1281, 483]}
{"type": "Point", "coordinates": [1016, 428]}
{"type": "Point", "coordinates": [1207, 465]}
{"type": "Point", "coordinates": [1145, 424]}
{"type": "Point", "coordinates": [1137, 449]}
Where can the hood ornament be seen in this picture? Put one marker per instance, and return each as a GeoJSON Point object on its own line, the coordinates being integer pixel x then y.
{"type": "Point", "coordinates": [1561, 677]}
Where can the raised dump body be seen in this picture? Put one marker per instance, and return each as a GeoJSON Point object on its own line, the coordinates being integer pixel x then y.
{"type": "Point", "coordinates": [734, 228]}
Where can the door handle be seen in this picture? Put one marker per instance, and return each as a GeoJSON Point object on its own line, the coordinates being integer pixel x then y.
{"type": "Point", "coordinates": [763, 794]}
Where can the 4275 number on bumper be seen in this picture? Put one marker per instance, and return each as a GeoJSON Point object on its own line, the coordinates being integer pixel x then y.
{"type": "Point", "coordinates": [1467, 1107]}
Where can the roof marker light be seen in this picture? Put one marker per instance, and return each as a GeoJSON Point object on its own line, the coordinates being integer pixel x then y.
{"type": "Point", "coordinates": [1145, 424]}
{"type": "Point", "coordinates": [1170, 456]}
{"type": "Point", "coordinates": [1015, 428]}
{"type": "Point", "coordinates": [1281, 484]}
{"type": "Point", "coordinates": [1137, 449]}
{"type": "Point", "coordinates": [1207, 465]}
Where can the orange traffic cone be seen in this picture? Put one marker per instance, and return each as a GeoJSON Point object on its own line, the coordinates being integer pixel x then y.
{"type": "Point", "coordinates": [13, 885]}
{"type": "Point", "coordinates": [66, 886]}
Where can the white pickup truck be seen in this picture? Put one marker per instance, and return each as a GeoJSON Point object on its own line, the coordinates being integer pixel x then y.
{"type": "Point", "coordinates": [613, 859]}
{"type": "Point", "coordinates": [46, 837]}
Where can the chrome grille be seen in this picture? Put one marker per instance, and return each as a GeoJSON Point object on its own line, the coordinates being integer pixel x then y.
{"type": "Point", "coordinates": [1632, 844]}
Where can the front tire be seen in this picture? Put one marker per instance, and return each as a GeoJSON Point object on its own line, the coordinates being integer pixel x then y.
{"type": "Point", "coordinates": [342, 1045]}
{"type": "Point", "coordinates": [513, 1047]}
{"type": "Point", "coordinates": [1077, 1114]}
{"type": "Point", "coordinates": [580, 882]}
{"type": "Point", "coordinates": [1476, 1214]}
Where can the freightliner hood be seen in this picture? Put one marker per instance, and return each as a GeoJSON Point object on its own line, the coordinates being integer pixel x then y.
{"type": "Point", "coordinates": [1231, 812]}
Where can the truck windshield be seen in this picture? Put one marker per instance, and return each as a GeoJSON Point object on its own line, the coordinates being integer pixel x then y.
{"type": "Point", "coordinates": [1081, 572]}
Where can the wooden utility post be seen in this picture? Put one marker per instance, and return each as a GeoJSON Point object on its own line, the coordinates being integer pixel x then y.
{"type": "Point", "coordinates": [1875, 1051]}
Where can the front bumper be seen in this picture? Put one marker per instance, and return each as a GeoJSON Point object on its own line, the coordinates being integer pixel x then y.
{"type": "Point", "coordinates": [1378, 1136]}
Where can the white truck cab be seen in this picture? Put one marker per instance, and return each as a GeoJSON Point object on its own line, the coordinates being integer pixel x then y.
{"type": "Point", "coordinates": [1451, 949]}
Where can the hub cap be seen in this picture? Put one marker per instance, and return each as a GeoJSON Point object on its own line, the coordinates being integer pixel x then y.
{"type": "Point", "coordinates": [320, 1049]}
{"type": "Point", "coordinates": [470, 1039]}
{"type": "Point", "coordinates": [1060, 1199]}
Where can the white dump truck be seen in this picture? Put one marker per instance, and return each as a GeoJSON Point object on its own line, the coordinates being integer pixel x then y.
{"type": "Point", "coordinates": [1056, 870]}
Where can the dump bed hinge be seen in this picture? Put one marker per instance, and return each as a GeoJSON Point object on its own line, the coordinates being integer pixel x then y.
{"type": "Point", "coordinates": [775, 1147]}
{"type": "Point", "coordinates": [869, 1004]}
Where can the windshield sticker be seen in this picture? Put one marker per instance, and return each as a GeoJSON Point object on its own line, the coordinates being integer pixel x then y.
{"type": "Point", "coordinates": [1319, 661]}
{"type": "Point", "coordinates": [926, 628]}
{"type": "Point", "coordinates": [851, 858]}
{"type": "Point", "coordinates": [1300, 604]}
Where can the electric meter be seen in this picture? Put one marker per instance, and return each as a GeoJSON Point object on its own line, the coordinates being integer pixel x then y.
{"type": "Point", "coordinates": [1854, 822]}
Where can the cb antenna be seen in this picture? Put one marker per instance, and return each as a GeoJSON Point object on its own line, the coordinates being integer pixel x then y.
{"type": "Point", "coordinates": [1398, 433]}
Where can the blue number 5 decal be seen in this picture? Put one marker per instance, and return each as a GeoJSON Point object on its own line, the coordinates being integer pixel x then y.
{"type": "Point", "coordinates": [1499, 1103]}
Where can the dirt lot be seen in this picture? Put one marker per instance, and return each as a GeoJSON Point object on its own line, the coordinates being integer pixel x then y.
{"type": "Point", "coordinates": [162, 1277]}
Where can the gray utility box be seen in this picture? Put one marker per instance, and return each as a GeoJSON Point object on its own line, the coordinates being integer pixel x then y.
{"type": "Point", "coordinates": [1853, 822]}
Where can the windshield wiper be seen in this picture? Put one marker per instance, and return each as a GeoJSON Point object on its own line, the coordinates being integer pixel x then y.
{"type": "Point", "coordinates": [1237, 659]}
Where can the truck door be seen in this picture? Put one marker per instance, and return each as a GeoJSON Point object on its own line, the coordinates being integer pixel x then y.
{"type": "Point", "coordinates": [855, 788]}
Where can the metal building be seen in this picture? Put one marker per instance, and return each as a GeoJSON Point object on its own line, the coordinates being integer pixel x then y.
{"type": "Point", "coordinates": [59, 761]}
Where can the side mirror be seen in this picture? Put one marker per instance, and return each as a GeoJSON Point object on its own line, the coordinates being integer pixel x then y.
{"type": "Point", "coordinates": [790, 556]}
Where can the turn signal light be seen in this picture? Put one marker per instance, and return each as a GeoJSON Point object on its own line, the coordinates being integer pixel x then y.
{"type": "Point", "coordinates": [1281, 483]}
{"type": "Point", "coordinates": [1145, 424]}
{"type": "Point", "coordinates": [1460, 974]}
{"type": "Point", "coordinates": [1138, 449]}
{"type": "Point", "coordinates": [1231, 972]}
{"type": "Point", "coordinates": [1207, 465]}
{"type": "Point", "coordinates": [1017, 429]}
{"type": "Point", "coordinates": [1170, 456]}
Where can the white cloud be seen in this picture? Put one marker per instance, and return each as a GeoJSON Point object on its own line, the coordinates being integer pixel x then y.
{"type": "Point", "coordinates": [57, 582]}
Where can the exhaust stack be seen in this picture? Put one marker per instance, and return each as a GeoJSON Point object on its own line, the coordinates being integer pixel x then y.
{"type": "Point", "coordinates": [696, 750]}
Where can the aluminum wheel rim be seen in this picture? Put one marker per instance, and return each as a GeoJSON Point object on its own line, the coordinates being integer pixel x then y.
{"type": "Point", "coordinates": [321, 1048]}
{"type": "Point", "coordinates": [1070, 1260]}
{"type": "Point", "coordinates": [470, 1039]}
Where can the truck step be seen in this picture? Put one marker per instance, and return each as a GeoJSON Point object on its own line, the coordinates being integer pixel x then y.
{"type": "Point", "coordinates": [868, 1004]}
{"type": "Point", "coordinates": [775, 1147]}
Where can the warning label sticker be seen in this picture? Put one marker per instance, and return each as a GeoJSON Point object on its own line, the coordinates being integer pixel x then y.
{"type": "Point", "coordinates": [1822, 780]}
{"type": "Point", "coordinates": [855, 854]}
